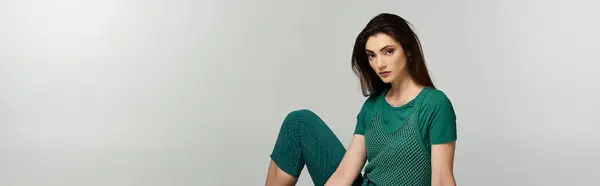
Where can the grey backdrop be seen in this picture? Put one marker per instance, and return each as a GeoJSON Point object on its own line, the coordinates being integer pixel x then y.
{"type": "Point", "coordinates": [183, 92]}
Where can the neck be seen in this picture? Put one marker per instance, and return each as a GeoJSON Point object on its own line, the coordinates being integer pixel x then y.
{"type": "Point", "coordinates": [403, 87]}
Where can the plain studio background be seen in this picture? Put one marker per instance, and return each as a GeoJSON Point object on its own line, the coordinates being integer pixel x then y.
{"type": "Point", "coordinates": [156, 93]}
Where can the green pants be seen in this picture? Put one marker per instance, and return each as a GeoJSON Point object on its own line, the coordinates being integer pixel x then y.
{"type": "Point", "coordinates": [304, 139]}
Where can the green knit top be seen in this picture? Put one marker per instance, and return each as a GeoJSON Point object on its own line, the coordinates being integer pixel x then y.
{"type": "Point", "coordinates": [399, 139]}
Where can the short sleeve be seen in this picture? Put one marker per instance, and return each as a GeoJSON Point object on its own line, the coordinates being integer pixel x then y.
{"type": "Point", "coordinates": [361, 123]}
{"type": "Point", "coordinates": [441, 119]}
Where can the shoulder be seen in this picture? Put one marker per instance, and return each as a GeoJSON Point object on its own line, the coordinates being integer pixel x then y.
{"type": "Point", "coordinates": [436, 97]}
{"type": "Point", "coordinates": [435, 100]}
{"type": "Point", "coordinates": [371, 99]}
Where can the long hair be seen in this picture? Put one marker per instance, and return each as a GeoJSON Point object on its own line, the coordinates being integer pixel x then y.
{"type": "Point", "coordinates": [399, 29]}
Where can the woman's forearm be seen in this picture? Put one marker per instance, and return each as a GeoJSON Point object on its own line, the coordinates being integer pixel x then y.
{"type": "Point", "coordinates": [351, 164]}
{"type": "Point", "coordinates": [443, 180]}
{"type": "Point", "coordinates": [338, 178]}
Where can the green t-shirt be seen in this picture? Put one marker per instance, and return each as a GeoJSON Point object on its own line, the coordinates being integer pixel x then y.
{"type": "Point", "coordinates": [437, 119]}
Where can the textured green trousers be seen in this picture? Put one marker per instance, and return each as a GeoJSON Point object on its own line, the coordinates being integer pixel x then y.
{"type": "Point", "coordinates": [304, 139]}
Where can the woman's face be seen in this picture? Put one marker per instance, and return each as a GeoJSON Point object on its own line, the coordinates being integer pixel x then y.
{"type": "Point", "coordinates": [386, 57]}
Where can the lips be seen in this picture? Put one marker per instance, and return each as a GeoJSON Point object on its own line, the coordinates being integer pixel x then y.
{"type": "Point", "coordinates": [385, 73]}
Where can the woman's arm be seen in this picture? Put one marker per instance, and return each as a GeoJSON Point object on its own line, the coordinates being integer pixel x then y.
{"type": "Point", "coordinates": [352, 163]}
{"type": "Point", "coordinates": [442, 164]}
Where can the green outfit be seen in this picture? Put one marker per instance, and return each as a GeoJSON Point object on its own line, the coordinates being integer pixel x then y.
{"type": "Point", "coordinates": [304, 139]}
{"type": "Point", "coordinates": [398, 140]}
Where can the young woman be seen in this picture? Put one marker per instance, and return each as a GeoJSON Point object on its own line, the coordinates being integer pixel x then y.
{"type": "Point", "coordinates": [406, 128]}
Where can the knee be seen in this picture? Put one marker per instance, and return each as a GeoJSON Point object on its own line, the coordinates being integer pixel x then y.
{"type": "Point", "coordinates": [298, 116]}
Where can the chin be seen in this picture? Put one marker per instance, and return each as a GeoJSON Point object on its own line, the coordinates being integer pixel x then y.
{"type": "Point", "coordinates": [387, 79]}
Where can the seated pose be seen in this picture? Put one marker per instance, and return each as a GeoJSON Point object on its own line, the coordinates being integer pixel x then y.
{"type": "Point", "coordinates": [405, 130]}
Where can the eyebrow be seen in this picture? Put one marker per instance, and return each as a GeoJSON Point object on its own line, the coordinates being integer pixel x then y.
{"type": "Point", "coordinates": [381, 50]}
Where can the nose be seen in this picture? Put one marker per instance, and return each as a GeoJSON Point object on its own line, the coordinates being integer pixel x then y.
{"type": "Point", "coordinates": [381, 64]}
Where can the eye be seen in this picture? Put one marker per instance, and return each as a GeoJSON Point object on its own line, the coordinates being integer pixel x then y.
{"type": "Point", "coordinates": [370, 56]}
{"type": "Point", "coordinates": [389, 52]}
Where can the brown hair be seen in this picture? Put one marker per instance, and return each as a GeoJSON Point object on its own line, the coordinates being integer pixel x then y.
{"type": "Point", "coordinates": [399, 29]}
